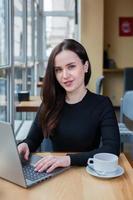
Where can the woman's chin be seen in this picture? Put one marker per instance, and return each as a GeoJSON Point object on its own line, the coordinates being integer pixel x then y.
{"type": "Point", "coordinates": [69, 89]}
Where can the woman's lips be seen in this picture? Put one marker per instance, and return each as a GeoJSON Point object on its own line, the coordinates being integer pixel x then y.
{"type": "Point", "coordinates": [68, 83]}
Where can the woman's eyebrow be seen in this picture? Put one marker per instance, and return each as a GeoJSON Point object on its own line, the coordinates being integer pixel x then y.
{"type": "Point", "coordinates": [57, 66]}
{"type": "Point", "coordinates": [65, 65]}
{"type": "Point", "coordinates": [70, 63]}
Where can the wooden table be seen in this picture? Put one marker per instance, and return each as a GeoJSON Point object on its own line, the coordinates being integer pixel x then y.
{"type": "Point", "coordinates": [29, 106]}
{"type": "Point", "coordinates": [76, 184]}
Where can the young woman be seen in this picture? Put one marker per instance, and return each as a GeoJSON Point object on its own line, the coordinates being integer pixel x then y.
{"type": "Point", "coordinates": [75, 119]}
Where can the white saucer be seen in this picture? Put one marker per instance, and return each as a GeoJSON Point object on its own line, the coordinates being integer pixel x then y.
{"type": "Point", "coordinates": [114, 174]}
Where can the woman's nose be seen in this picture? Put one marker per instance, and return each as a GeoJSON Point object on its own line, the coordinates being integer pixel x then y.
{"type": "Point", "coordinates": [65, 74]}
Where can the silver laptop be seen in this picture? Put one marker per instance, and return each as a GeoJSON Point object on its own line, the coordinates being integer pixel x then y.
{"type": "Point", "coordinates": [11, 166]}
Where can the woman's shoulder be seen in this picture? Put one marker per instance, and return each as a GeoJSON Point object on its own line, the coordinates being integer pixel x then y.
{"type": "Point", "coordinates": [96, 96]}
{"type": "Point", "coordinates": [99, 103]}
{"type": "Point", "coordinates": [98, 99]}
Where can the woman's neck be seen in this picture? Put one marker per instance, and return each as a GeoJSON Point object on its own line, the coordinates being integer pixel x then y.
{"type": "Point", "coordinates": [75, 97]}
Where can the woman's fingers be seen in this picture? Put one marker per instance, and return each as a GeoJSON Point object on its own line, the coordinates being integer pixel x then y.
{"type": "Point", "coordinates": [26, 155]}
{"type": "Point", "coordinates": [44, 159]}
{"type": "Point", "coordinates": [49, 163]}
{"type": "Point", "coordinates": [52, 167]}
{"type": "Point", "coordinates": [44, 165]}
{"type": "Point", "coordinates": [20, 149]}
{"type": "Point", "coordinates": [24, 149]}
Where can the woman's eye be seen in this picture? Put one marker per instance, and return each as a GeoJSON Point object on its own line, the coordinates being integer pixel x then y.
{"type": "Point", "coordinates": [71, 66]}
{"type": "Point", "coordinates": [57, 70]}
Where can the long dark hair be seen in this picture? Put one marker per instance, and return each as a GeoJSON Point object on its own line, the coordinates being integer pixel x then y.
{"type": "Point", "coordinates": [53, 95]}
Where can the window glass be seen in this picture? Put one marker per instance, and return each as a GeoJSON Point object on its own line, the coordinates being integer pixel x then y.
{"type": "Point", "coordinates": [59, 23]}
{"type": "Point", "coordinates": [35, 31]}
{"type": "Point", "coordinates": [30, 78]}
{"type": "Point", "coordinates": [57, 29]}
{"type": "Point", "coordinates": [3, 95]}
{"type": "Point", "coordinates": [18, 77]}
{"type": "Point", "coordinates": [29, 30]}
{"type": "Point", "coordinates": [62, 5]}
{"type": "Point", "coordinates": [3, 33]}
{"type": "Point", "coordinates": [18, 29]}
{"type": "Point", "coordinates": [18, 45]}
{"type": "Point", "coordinates": [18, 73]}
{"type": "Point", "coordinates": [30, 46]}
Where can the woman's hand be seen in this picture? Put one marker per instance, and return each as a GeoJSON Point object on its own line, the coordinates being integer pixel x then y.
{"type": "Point", "coordinates": [49, 163]}
{"type": "Point", "coordinates": [24, 149]}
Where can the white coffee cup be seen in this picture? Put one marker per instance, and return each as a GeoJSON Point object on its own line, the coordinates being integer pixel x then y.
{"type": "Point", "coordinates": [104, 162]}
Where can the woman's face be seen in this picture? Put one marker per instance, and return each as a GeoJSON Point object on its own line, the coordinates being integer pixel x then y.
{"type": "Point", "coordinates": [69, 71]}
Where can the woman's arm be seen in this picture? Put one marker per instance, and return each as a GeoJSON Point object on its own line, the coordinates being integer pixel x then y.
{"type": "Point", "coordinates": [35, 135]}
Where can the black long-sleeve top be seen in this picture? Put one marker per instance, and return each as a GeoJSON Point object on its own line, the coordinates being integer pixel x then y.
{"type": "Point", "coordinates": [87, 127]}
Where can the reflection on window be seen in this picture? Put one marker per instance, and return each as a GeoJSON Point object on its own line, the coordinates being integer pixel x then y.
{"type": "Point", "coordinates": [59, 22]}
{"type": "Point", "coordinates": [3, 33]}
{"type": "Point", "coordinates": [29, 30]}
{"type": "Point", "coordinates": [57, 29]}
{"type": "Point", "coordinates": [35, 39]}
{"type": "Point", "coordinates": [3, 95]}
{"type": "Point", "coordinates": [62, 5]}
{"type": "Point", "coordinates": [18, 78]}
{"type": "Point", "coordinates": [18, 70]}
{"type": "Point", "coordinates": [30, 79]}
{"type": "Point", "coordinates": [18, 29]}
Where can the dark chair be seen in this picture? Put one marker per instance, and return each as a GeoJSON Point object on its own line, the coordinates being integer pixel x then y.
{"type": "Point", "coordinates": [99, 83]}
{"type": "Point", "coordinates": [126, 110]}
{"type": "Point", "coordinates": [128, 79]}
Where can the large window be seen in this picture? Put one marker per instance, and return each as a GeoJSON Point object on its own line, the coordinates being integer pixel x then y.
{"type": "Point", "coordinates": [3, 33]}
{"type": "Point", "coordinates": [25, 40]}
{"type": "Point", "coordinates": [3, 95]}
{"type": "Point", "coordinates": [56, 20]}
{"type": "Point", "coordinates": [18, 48]}
{"type": "Point", "coordinates": [30, 29]}
{"type": "Point", "coordinates": [18, 30]}
{"type": "Point", "coordinates": [57, 29]}
{"type": "Point", "coordinates": [4, 60]}
{"type": "Point", "coordinates": [59, 23]}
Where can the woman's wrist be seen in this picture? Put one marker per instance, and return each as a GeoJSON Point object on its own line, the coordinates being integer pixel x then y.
{"type": "Point", "coordinates": [68, 160]}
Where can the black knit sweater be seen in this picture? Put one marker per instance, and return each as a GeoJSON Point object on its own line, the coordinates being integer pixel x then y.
{"type": "Point", "coordinates": [87, 128]}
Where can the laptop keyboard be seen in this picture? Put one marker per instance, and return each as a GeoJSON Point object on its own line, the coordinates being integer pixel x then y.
{"type": "Point", "coordinates": [32, 175]}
